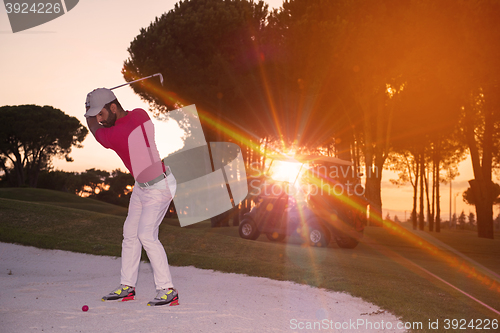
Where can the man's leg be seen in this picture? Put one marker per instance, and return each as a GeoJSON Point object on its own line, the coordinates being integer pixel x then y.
{"type": "Point", "coordinates": [131, 245]}
{"type": "Point", "coordinates": [155, 205]}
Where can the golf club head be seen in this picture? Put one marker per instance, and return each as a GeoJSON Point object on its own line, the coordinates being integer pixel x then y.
{"type": "Point", "coordinates": [161, 78]}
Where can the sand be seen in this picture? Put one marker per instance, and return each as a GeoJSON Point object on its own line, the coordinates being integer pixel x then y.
{"type": "Point", "coordinates": [44, 291]}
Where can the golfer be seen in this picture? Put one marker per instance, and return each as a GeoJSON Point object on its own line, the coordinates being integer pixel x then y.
{"type": "Point", "coordinates": [131, 135]}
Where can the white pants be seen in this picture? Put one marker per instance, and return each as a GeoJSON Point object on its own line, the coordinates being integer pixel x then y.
{"type": "Point", "coordinates": [147, 208]}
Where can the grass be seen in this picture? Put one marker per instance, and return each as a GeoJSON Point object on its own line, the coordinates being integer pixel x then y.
{"type": "Point", "coordinates": [61, 199]}
{"type": "Point", "coordinates": [409, 273]}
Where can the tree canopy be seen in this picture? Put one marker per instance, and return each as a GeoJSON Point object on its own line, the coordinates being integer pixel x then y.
{"type": "Point", "coordinates": [206, 50]}
{"type": "Point", "coordinates": [31, 136]}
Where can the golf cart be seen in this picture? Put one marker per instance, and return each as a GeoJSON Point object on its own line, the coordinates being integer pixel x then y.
{"type": "Point", "coordinates": [329, 205]}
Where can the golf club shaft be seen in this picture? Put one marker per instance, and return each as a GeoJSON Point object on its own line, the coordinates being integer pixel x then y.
{"type": "Point", "coordinates": [144, 78]}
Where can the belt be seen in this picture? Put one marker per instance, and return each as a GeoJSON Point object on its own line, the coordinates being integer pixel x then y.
{"type": "Point", "coordinates": [157, 179]}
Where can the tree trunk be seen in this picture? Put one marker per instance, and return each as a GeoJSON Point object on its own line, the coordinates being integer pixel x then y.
{"type": "Point", "coordinates": [373, 195]}
{"type": "Point", "coordinates": [430, 217]}
{"type": "Point", "coordinates": [481, 184]}
{"type": "Point", "coordinates": [438, 199]}
{"type": "Point", "coordinates": [343, 147]}
{"type": "Point", "coordinates": [263, 164]}
{"type": "Point", "coordinates": [6, 172]}
{"type": "Point", "coordinates": [376, 150]}
{"type": "Point", "coordinates": [421, 219]}
{"type": "Point", "coordinates": [415, 192]}
{"type": "Point", "coordinates": [18, 169]}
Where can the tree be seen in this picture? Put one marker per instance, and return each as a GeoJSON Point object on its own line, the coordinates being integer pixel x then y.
{"type": "Point", "coordinates": [120, 183]}
{"type": "Point", "coordinates": [429, 112]}
{"type": "Point", "coordinates": [30, 136]}
{"type": "Point", "coordinates": [92, 182]}
{"type": "Point", "coordinates": [305, 66]}
{"type": "Point", "coordinates": [405, 165]}
{"type": "Point", "coordinates": [462, 220]}
{"type": "Point", "coordinates": [453, 222]}
{"type": "Point", "coordinates": [59, 181]}
{"type": "Point", "coordinates": [447, 153]}
{"type": "Point", "coordinates": [477, 53]}
{"type": "Point", "coordinates": [208, 52]}
{"type": "Point", "coordinates": [470, 199]}
{"type": "Point", "coordinates": [377, 26]}
{"type": "Point", "coordinates": [472, 219]}
{"type": "Point", "coordinates": [117, 189]}
{"type": "Point", "coordinates": [339, 59]}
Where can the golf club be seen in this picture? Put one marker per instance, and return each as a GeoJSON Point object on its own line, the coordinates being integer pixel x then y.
{"type": "Point", "coordinates": [144, 78]}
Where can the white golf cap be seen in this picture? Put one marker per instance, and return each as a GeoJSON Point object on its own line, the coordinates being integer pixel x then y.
{"type": "Point", "coordinates": [96, 99]}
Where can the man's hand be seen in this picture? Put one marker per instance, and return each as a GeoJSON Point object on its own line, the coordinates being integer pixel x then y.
{"type": "Point", "coordinates": [93, 124]}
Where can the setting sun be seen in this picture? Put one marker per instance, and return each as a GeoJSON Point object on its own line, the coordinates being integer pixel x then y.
{"type": "Point", "coordinates": [285, 171]}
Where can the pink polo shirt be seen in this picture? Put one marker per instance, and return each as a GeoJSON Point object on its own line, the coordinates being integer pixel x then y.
{"type": "Point", "coordinates": [132, 138]}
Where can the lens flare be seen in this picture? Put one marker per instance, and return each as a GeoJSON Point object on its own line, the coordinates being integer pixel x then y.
{"type": "Point", "coordinates": [456, 261]}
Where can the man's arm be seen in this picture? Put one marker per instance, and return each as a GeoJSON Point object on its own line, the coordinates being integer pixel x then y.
{"type": "Point", "coordinates": [93, 124]}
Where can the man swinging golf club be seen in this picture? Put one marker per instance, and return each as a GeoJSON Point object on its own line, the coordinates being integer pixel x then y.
{"type": "Point", "coordinates": [131, 135]}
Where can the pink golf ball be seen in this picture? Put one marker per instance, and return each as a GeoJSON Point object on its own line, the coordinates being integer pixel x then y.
{"type": "Point", "coordinates": [85, 308]}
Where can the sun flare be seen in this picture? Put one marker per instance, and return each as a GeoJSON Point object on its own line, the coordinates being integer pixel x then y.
{"type": "Point", "coordinates": [285, 171]}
